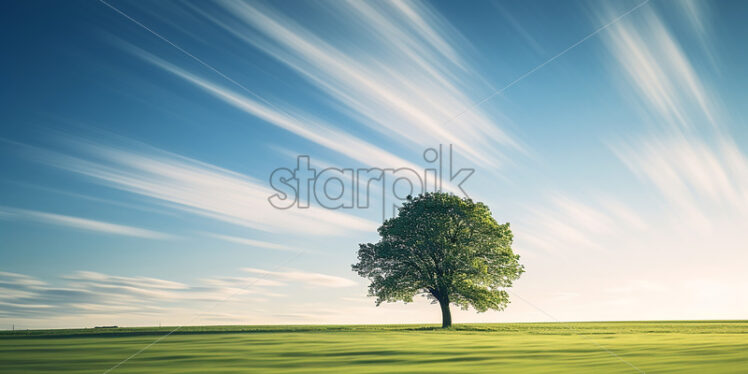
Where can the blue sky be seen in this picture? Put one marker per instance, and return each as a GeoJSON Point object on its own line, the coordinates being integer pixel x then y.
{"type": "Point", "coordinates": [138, 139]}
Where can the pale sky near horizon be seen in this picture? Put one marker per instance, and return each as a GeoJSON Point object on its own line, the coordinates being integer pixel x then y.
{"type": "Point", "coordinates": [138, 141]}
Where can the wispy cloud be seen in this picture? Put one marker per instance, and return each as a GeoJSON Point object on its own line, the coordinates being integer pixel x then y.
{"type": "Point", "coordinates": [412, 97]}
{"type": "Point", "coordinates": [696, 168]}
{"type": "Point", "coordinates": [564, 225]}
{"type": "Point", "coordinates": [87, 293]}
{"type": "Point", "coordinates": [662, 73]}
{"type": "Point", "coordinates": [304, 278]}
{"type": "Point", "coordinates": [699, 14]}
{"type": "Point", "coordinates": [195, 187]}
{"type": "Point", "coordinates": [299, 123]}
{"type": "Point", "coordinates": [253, 243]}
{"type": "Point", "coordinates": [700, 180]}
{"type": "Point", "coordinates": [290, 119]}
{"type": "Point", "coordinates": [693, 163]}
{"type": "Point", "coordinates": [79, 223]}
{"type": "Point", "coordinates": [517, 26]}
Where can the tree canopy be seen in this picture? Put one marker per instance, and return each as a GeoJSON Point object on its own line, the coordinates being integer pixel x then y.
{"type": "Point", "coordinates": [445, 247]}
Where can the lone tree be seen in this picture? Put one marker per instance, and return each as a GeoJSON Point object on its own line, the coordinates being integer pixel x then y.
{"type": "Point", "coordinates": [445, 247]}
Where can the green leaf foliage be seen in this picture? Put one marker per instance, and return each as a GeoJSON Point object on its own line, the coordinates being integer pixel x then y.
{"type": "Point", "coordinates": [446, 247]}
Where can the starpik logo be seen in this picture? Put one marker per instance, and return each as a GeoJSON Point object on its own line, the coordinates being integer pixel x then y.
{"type": "Point", "coordinates": [349, 188]}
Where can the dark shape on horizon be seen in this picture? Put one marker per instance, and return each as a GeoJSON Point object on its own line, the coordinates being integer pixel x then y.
{"type": "Point", "coordinates": [445, 247]}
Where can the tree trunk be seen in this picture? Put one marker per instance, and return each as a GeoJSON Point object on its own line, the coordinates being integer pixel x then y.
{"type": "Point", "coordinates": [446, 314]}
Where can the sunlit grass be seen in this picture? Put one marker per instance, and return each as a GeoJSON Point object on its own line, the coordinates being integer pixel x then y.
{"type": "Point", "coordinates": [654, 347]}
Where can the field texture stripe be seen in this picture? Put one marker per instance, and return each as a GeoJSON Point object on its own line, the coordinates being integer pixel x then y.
{"type": "Point", "coordinates": [578, 333]}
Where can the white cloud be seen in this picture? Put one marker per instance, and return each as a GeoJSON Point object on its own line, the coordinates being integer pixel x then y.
{"type": "Point", "coordinates": [305, 278]}
{"type": "Point", "coordinates": [411, 97]}
{"type": "Point", "coordinates": [19, 279]}
{"type": "Point", "coordinates": [672, 244]}
{"type": "Point", "coordinates": [86, 292]}
{"type": "Point", "coordinates": [253, 243]}
{"type": "Point", "coordinates": [81, 223]}
{"type": "Point", "coordinates": [84, 298]}
{"type": "Point", "coordinates": [658, 67]}
{"type": "Point", "coordinates": [237, 282]}
{"type": "Point", "coordinates": [196, 187]}
{"type": "Point", "coordinates": [694, 164]}
{"type": "Point", "coordinates": [699, 181]}
{"type": "Point", "coordinates": [301, 124]}
{"type": "Point", "coordinates": [563, 225]}
{"type": "Point", "coordinates": [127, 282]}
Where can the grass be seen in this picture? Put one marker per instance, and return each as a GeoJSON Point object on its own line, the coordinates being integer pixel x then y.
{"type": "Point", "coordinates": [589, 347]}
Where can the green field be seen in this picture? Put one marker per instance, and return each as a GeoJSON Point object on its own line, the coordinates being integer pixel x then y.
{"type": "Point", "coordinates": [590, 347]}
